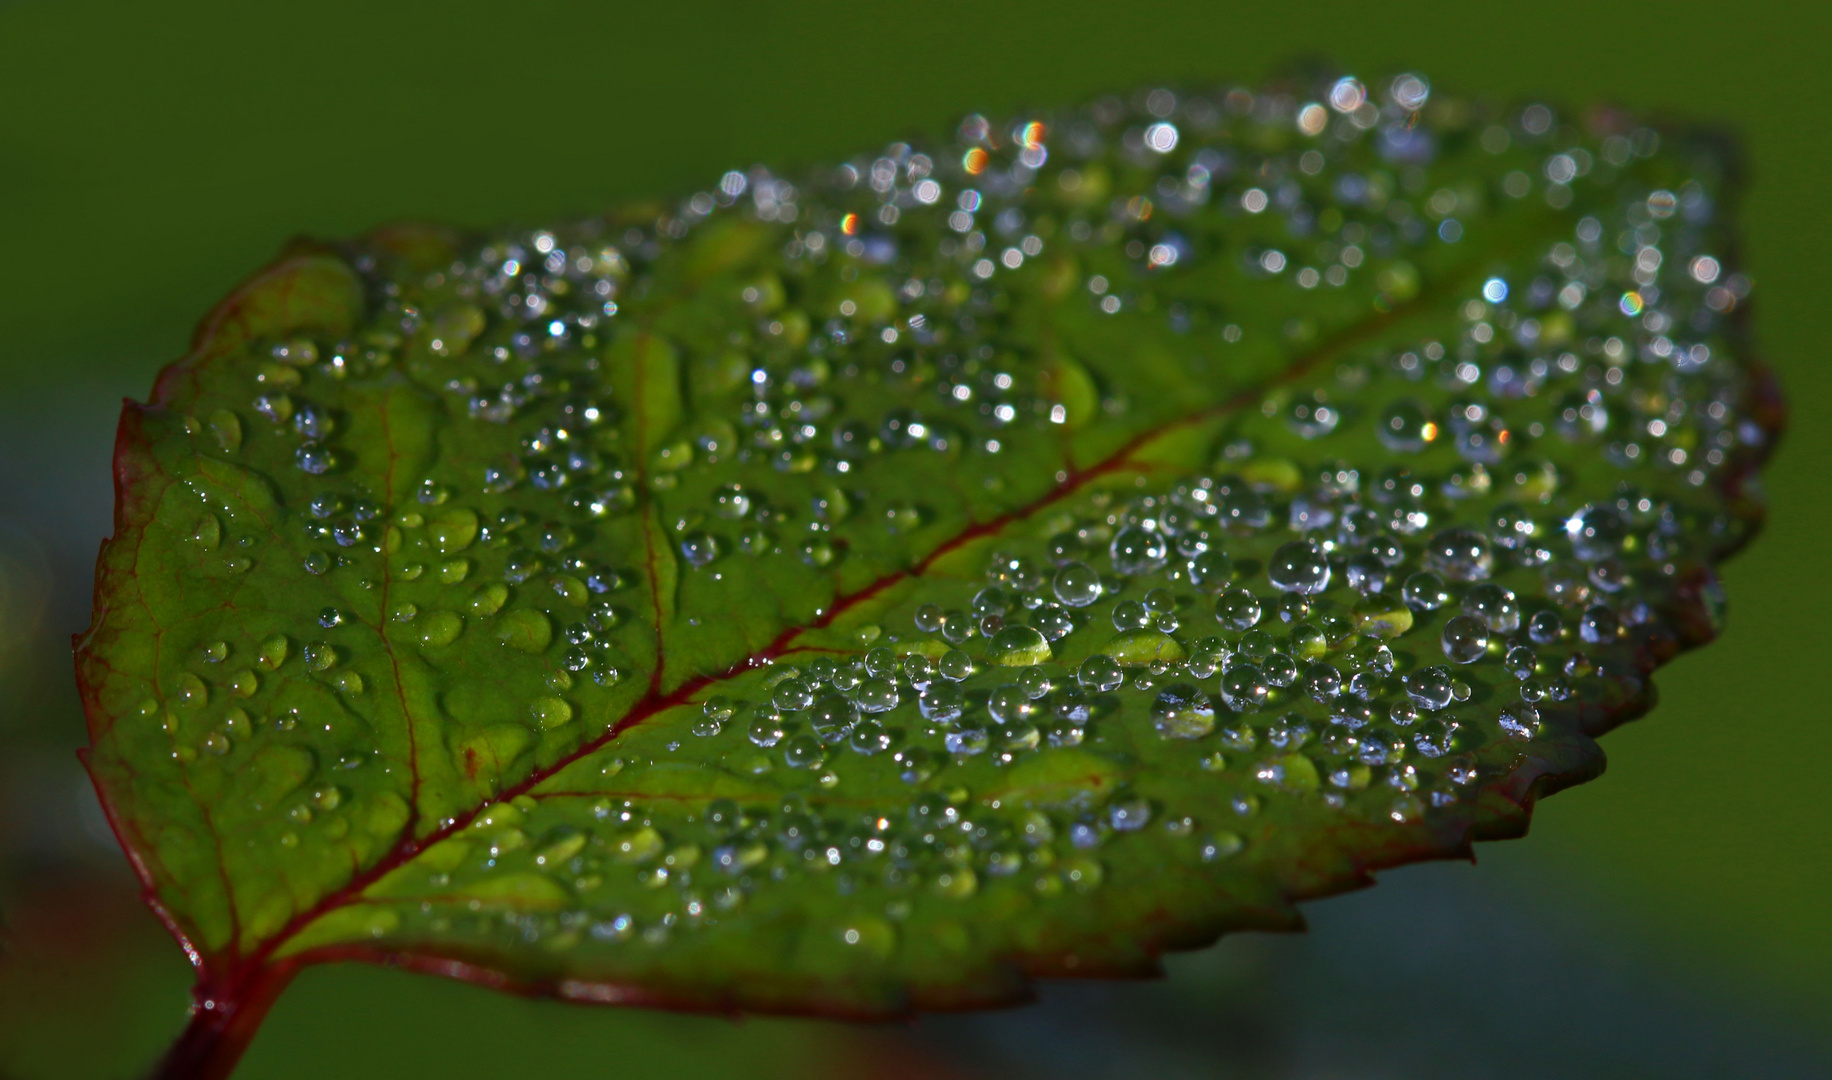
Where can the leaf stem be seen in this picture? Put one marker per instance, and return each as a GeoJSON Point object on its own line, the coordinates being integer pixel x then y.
{"type": "Point", "coordinates": [224, 1019]}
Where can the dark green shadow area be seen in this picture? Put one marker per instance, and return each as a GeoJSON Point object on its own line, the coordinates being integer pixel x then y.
{"type": "Point", "coordinates": [150, 156]}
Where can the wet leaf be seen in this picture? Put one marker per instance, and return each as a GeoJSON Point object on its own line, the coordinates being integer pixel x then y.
{"type": "Point", "coordinates": [1009, 558]}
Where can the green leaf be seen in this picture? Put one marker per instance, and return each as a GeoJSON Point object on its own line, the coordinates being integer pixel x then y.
{"type": "Point", "coordinates": [1007, 559]}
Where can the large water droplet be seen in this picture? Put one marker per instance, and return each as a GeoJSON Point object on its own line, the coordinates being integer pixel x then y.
{"type": "Point", "coordinates": [1244, 687]}
{"type": "Point", "coordinates": [1238, 609]}
{"type": "Point", "coordinates": [1136, 551]}
{"type": "Point", "coordinates": [1405, 427]}
{"type": "Point", "coordinates": [792, 695]}
{"type": "Point", "coordinates": [1102, 674]}
{"type": "Point", "coordinates": [1299, 566]}
{"type": "Point", "coordinates": [1460, 554]}
{"type": "Point", "coordinates": [832, 717]}
{"type": "Point", "coordinates": [1430, 688]}
{"type": "Point", "coordinates": [1077, 584]}
{"type": "Point", "coordinates": [1494, 606]}
{"type": "Point", "coordinates": [1181, 711]}
{"type": "Point", "coordinates": [1596, 532]}
{"type": "Point", "coordinates": [1465, 640]}
{"type": "Point", "coordinates": [1018, 646]}
{"type": "Point", "coordinates": [699, 548]}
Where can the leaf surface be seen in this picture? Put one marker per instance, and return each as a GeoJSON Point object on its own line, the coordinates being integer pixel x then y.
{"type": "Point", "coordinates": [1009, 558]}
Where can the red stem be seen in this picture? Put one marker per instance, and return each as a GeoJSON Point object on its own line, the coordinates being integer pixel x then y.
{"type": "Point", "coordinates": [223, 1024]}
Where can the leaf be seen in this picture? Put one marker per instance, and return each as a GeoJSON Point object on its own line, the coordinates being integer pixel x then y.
{"type": "Point", "coordinates": [1010, 559]}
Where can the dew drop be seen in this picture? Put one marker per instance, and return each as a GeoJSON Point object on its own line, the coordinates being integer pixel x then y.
{"type": "Point", "coordinates": [1425, 591]}
{"type": "Point", "coordinates": [1404, 427]}
{"type": "Point", "coordinates": [1076, 584]}
{"type": "Point", "coordinates": [1465, 640]}
{"type": "Point", "coordinates": [1596, 532]}
{"type": "Point", "coordinates": [207, 533]}
{"type": "Point", "coordinates": [273, 652]}
{"type": "Point", "coordinates": [818, 552]}
{"type": "Point", "coordinates": [1211, 570]}
{"type": "Point", "coordinates": [877, 695]}
{"type": "Point", "coordinates": [1494, 607]}
{"type": "Point", "coordinates": [1135, 551]}
{"type": "Point", "coordinates": [440, 628]}
{"type": "Point", "coordinates": [1129, 815]}
{"type": "Point", "coordinates": [793, 694]}
{"type": "Point", "coordinates": [1299, 566]}
{"type": "Point", "coordinates": [1238, 609]}
{"type": "Point", "coordinates": [1460, 554]}
{"type": "Point", "coordinates": [1220, 846]}
{"type": "Point", "coordinates": [954, 665]}
{"type": "Point", "coordinates": [699, 548]}
{"type": "Point", "coordinates": [1018, 646]}
{"type": "Point", "coordinates": [1101, 674]}
{"type": "Point", "coordinates": [1131, 615]}
{"type": "Point", "coordinates": [550, 712]}
{"type": "Point", "coordinates": [1181, 711]}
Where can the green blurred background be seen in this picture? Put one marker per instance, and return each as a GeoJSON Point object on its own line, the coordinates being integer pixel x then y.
{"type": "Point", "coordinates": [1670, 919]}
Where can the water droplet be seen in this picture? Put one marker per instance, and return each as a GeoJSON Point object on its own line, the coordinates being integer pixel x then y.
{"type": "Point", "coordinates": [877, 695]}
{"type": "Point", "coordinates": [967, 741]}
{"type": "Point", "coordinates": [1321, 681]}
{"type": "Point", "coordinates": [1596, 532]}
{"type": "Point", "coordinates": [440, 628]}
{"type": "Point", "coordinates": [1220, 846]}
{"type": "Point", "coordinates": [869, 737]}
{"type": "Point", "coordinates": [1136, 551]}
{"type": "Point", "coordinates": [1310, 417]}
{"type": "Point", "coordinates": [1430, 688]}
{"type": "Point", "coordinates": [766, 728]}
{"type": "Point", "coordinates": [1460, 554]}
{"type": "Point", "coordinates": [1405, 427]}
{"type": "Point", "coordinates": [731, 502]}
{"type": "Point", "coordinates": [928, 619]}
{"type": "Point", "coordinates": [817, 552]}
{"type": "Point", "coordinates": [699, 548]}
{"type": "Point", "coordinates": [1210, 570]}
{"type": "Point", "coordinates": [1129, 815]}
{"type": "Point", "coordinates": [832, 716]}
{"type": "Point", "coordinates": [1183, 712]}
{"type": "Point", "coordinates": [792, 695]}
{"type": "Point", "coordinates": [1244, 687]}
{"type": "Point", "coordinates": [1238, 609]}
{"type": "Point", "coordinates": [207, 533]}
{"type": "Point", "coordinates": [941, 702]}
{"type": "Point", "coordinates": [1299, 566]}
{"type": "Point", "coordinates": [1598, 625]}
{"type": "Point", "coordinates": [1101, 674]}
{"type": "Point", "coordinates": [550, 712]}
{"type": "Point", "coordinates": [1131, 615]}
{"type": "Point", "coordinates": [1493, 606]}
{"type": "Point", "coordinates": [1018, 646]}
{"type": "Point", "coordinates": [803, 752]}
{"type": "Point", "coordinates": [1520, 720]}
{"type": "Point", "coordinates": [315, 459]}
{"type": "Point", "coordinates": [1465, 640]}
{"type": "Point", "coordinates": [273, 652]}
{"type": "Point", "coordinates": [1425, 591]}
{"type": "Point", "coordinates": [955, 665]}
{"type": "Point", "coordinates": [1076, 584]}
